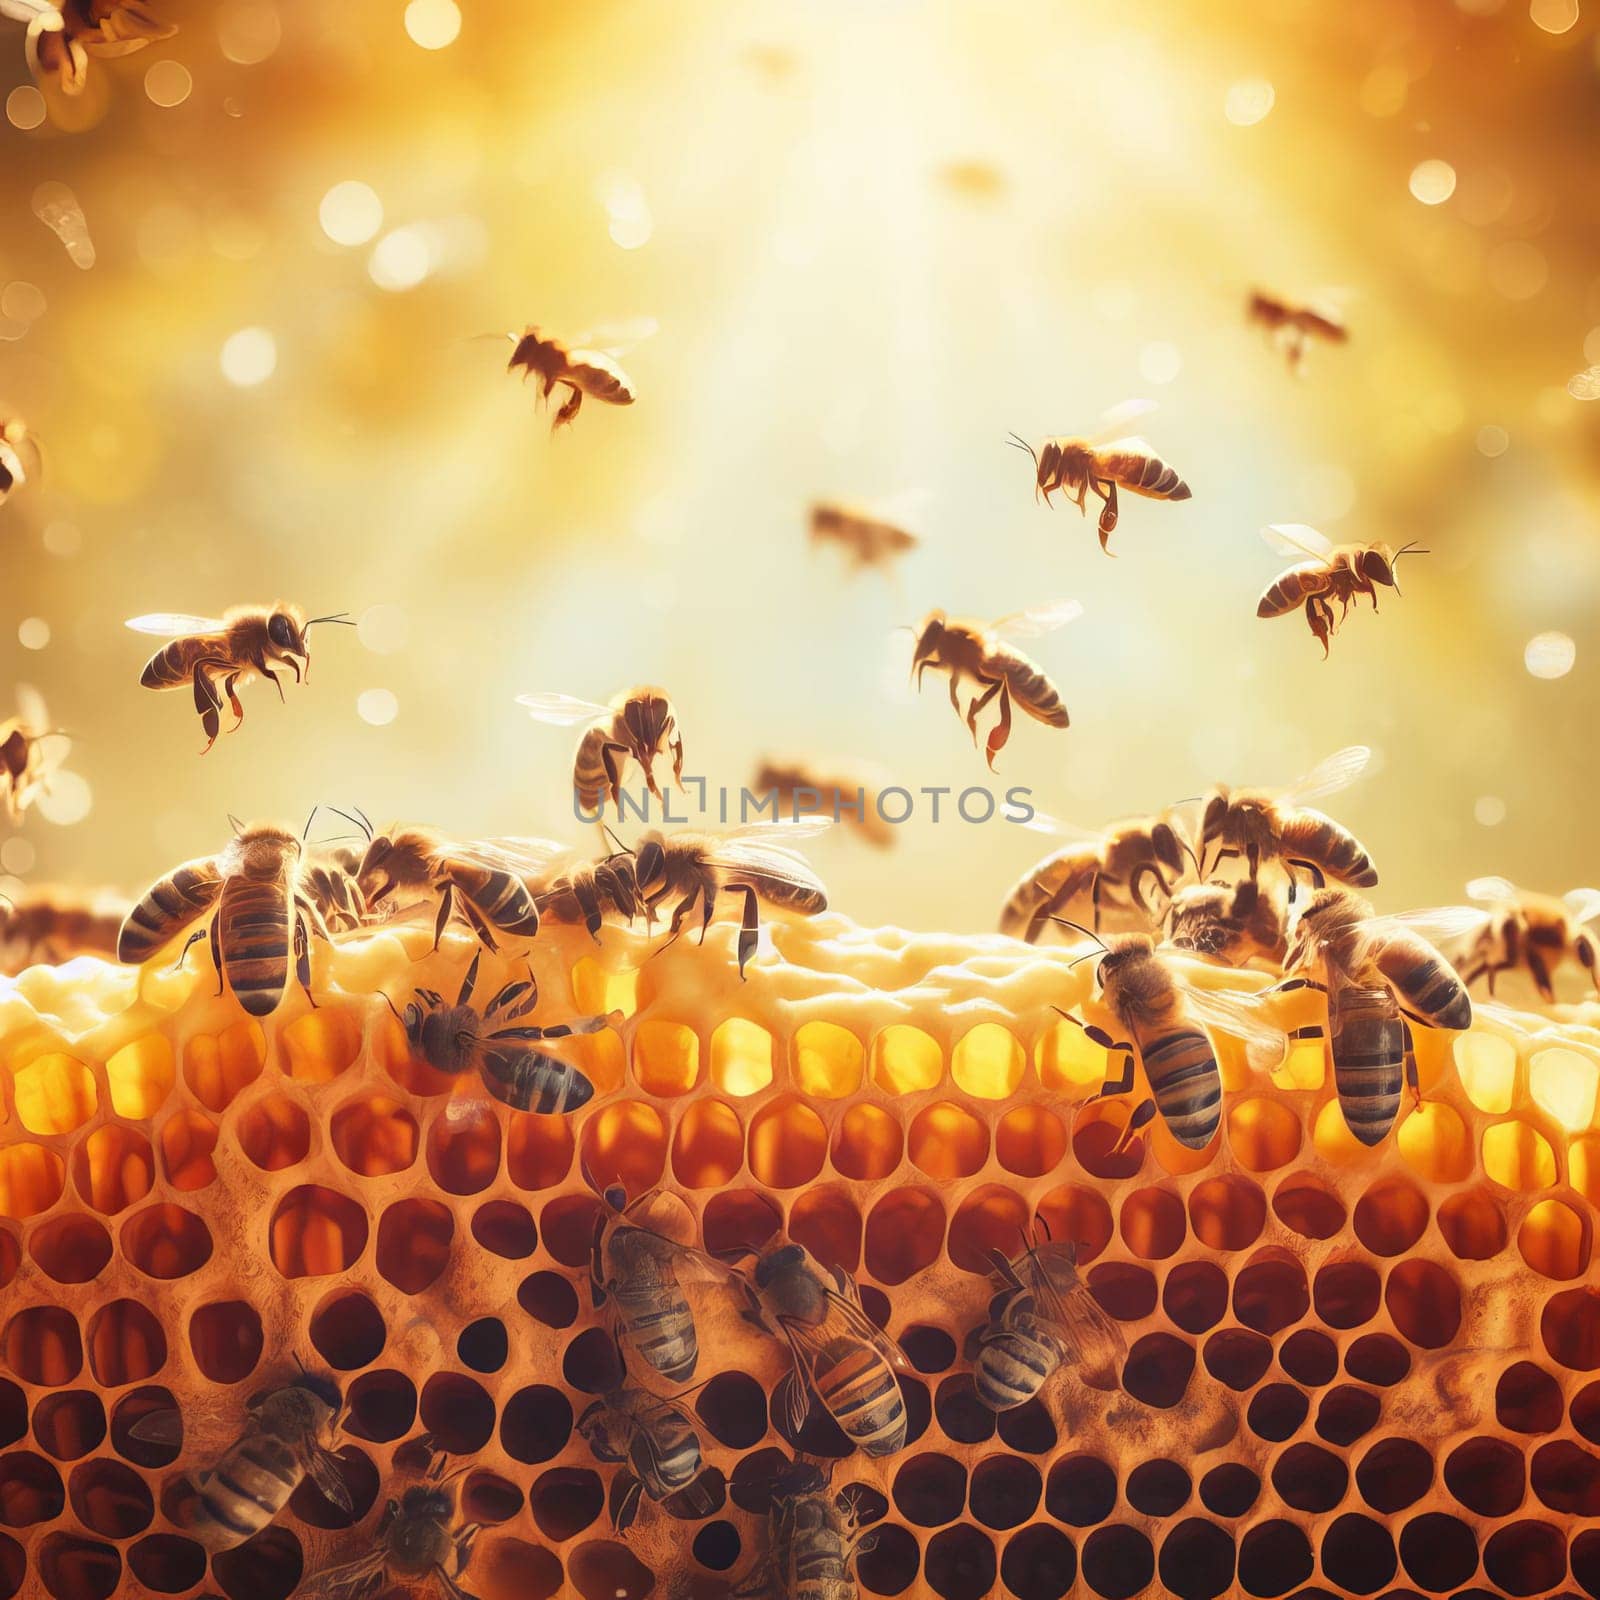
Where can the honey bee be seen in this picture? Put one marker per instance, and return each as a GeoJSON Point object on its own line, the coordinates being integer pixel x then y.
{"type": "Point", "coordinates": [331, 885]}
{"type": "Point", "coordinates": [842, 800]}
{"type": "Point", "coordinates": [812, 1542]}
{"type": "Point", "coordinates": [1292, 326]}
{"type": "Point", "coordinates": [754, 862]}
{"type": "Point", "coordinates": [975, 650]}
{"type": "Point", "coordinates": [840, 1355]}
{"type": "Point", "coordinates": [652, 1438]}
{"type": "Point", "coordinates": [31, 752]}
{"type": "Point", "coordinates": [868, 540]}
{"type": "Point", "coordinates": [640, 723]}
{"type": "Point", "coordinates": [1533, 931]}
{"type": "Point", "coordinates": [452, 1039]}
{"type": "Point", "coordinates": [1043, 1318]}
{"type": "Point", "coordinates": [1077, 465]}
{"type": "Point", "coordinates": [1330, 572]}
{"type": "Point", "coordinates": [1118, 880]}
{"type": "Point", "coordinates": [285, 1438]}
{"type": "Point", "coordinates": [245, 643]}
{"type": "Point", "coordinates": [16, 438]}
{"type": "Point", "coordinates": [1262, 825]}
{"type": "Point", "coordinates": [46, 926]}
{"type": "Point", "coordinates": [1379, 974]}
{"type": "Point", "coordinates": [1234, 923]}
{"type": "Point", "coordinates": [1167, 1021]}
{"type": "Point", "coordinates": [261, 912]}
{"type": "Point", "coordinates": [62, 38]}
{"type": "Point", "coordinates": [586, 891]}
{"type": "Point", "coordinates": [579, 370]}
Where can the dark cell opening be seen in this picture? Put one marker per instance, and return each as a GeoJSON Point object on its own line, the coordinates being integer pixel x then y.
{"type": "Point", "coordinates": [565, 1501]}
{"type": "Point", "coordinates": [1346, 1413]}
{"type": "Point", "coordinates": [1526, 1558]}
{"type": "Point", "coordinates": [1157, 1371]}
{"type": "Point", "coordinates": [1438, 1551]}
{"type": "Point", "coordinates": [70, 1424]}
{"type": "Point", "coordinates": [484, 1345]}
{"type": "Point", "coordinates": [1004, 1492]}
{"type": "Point", "coordinates": [31, 1491]}
{"type": "Point", "coordinates": [109, 1498]}
{"type": "Point", "coordinates": [457, 1412]}
{"type": "Point", "coordinates": [133, 1408]}
{"type": "Point", "coordinates": [1564, 1476]}
{"type": "Point", "coordinates": [1273, 1558]}
{"type": "Point", "coordinates": [1117, 1562]}
{"type": "Point", "coordinates": [505, 1229]}
{"type": "Point", "coordinates": [567, 1228]}
{"type": "Point", "coordinates": [1276, 1411]}
{"type": "Point", "coordinates": [13, 1413]}
{"type": "Point", "coordinates": [960, 1564]}
{"type": "Point", "coordinates": [1346, 1293]}
{"type": "Point", "coordinates": [1158, 1488]}
{"type": "Point", "coordinates": [414, 1243]}
{"type": "Point", "coordinates": [1391, 1216]}
{"type": "Point", "coordinates": [919, 1407]}
{"type": "Point", "coordinates": [535, 1426]}
{"type": "Point", "coordinates": [167, 1563]}
{"type": "Point", "coordinates": [1197, 1560]}
{"type": "Point", "coordinates": [890, 1565]}
{"type": "Point", "coordinates": [1358, 1554]}
{"type": "Point", "coordinates": [1237, 1357]}
{"type": "Point", "coordinates": [1309, 1478]}
{"type": "Point", "coordinates": [72, 1568]}
{"type": "Point", "coordinates": [347, 1331]}
{"type": "Point", "coordinates": [1229, 1490]}
{"type": "Point", "coordinates": [1028, 1428]}
{"type": "Point", "coordinates": [1270, 1293]}
{"type": "Point", "coordinates": [929, 1349]}
{"type": "Point", "coordinates": [750, 1487]}
{"type": "Point", "coordinates": [1376, 1358]}
{"type": "Point", "coordinates": [606, 1570]}
{"type": "Point", "coordinates": [1227, 1213]}
{"type": "Point", "coordinates": [1486, 1476]}
{"type": "Point", "coordinates": [1195, 1295]}
{"type": "Point", "coordinates": [227, 1340]}
{"type": "Point", "coordinates": [1307, 1208]}
{"type": "Point", "coordinates": [1127, 1292]}
{"type": "Point", "coordinates": [361, 1481]}
{"type": "Point", "coordinates": [1394, 1474]}
{"type": "Point", "coordinates": [382, 1406]}
{"type": "Point", "coordinates": [1309, 1357]}
{"type": "Point", "coordinates": [487, 1497]}
{"type": "Point", "coordinates": [1425, 1302]}
{"type": "Point", "coordinates": [962, 1416]}
{"type": "Point", "coordinates": [1039, 1564]}
{"type": "Point", "coordinates": [1528, 1400]}
{"type": "Point", "coordinates": [930, 1490]}
{"type": "Point", "coordinates": [733, 1407]}
{"type": "Point", "coordinates": [1080, 1491]}
{"type": "Point", "coordinates": [717, 1546]}
{"type": "Point", "coordinates": [591, 1364]}
{"type": "Point", "coordinates": [549, 1298]}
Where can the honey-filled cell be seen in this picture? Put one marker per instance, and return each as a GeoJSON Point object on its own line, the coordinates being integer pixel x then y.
{"type": "Point", "coordinates": [707, 1145]}
{"type": "Point", "coordinates": [827, 1061]}
{"type": "Point", "coordinates": [741, 1057]}
{"type": "Point", "coordinates": [905, 1060]}
{"type": "Point", "coordinates": [666, 1057]}
{"type": "Point", "coordinates": [54, 1093]}
{"type": "Point", "coordinates": [216, 1067]}
{"type": "Point", "coordinates": [946, 1141]}
{"type": "Point", "coordinates": [787, 1143]}
{"type": "Point", "coordinates": [140, 1076]}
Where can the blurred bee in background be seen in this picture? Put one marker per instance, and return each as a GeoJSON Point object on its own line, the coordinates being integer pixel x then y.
{"type": "Point", "coordinates": [866, 539]}
{"type": "Point", "coordinates": [1234, 923]}
{"type": "Point", "coordinates": [330, 883]}
{"type": "Point", "coordinates": [31, 751]}
{"type": "Point", "coordinates": [452, 1039]}
{"type": "Point", "coordinates": [1379, 973]}
{"type": "Point", "coordinates": [1043, 1318]}
{"type": "Point", "coordinates": [285, 1438]}
{"type": "Point", "coordinates": [836, 798]}
{"type": "Point", "coordinates": [640, 723]}
{"type": "Point", "coordinates": [61, 38]}
{"type": "Point", "coordinates": [16, 438]}
{"type": "Point", "coordinates": [1167, 1022]}
{"type": "Point", "coordinates": [578, 368]}
{"type": "Point", "coordinates": [754, 862]}
{"type": "Point", "coordinates": [1077, 465]}
{"type": "Point", "coordinates": [1293, 326]}
{"type": "Point", "coordinates": [568, 891]}
{"type": "Point", "coordinates": [261, 912]}
{"type": "Point", "coordinates": [973, 180]}
{"type": "Point", "coordinates": [1259, 826]}
{"type": "Point", "coordinates": [245, 643]}
{"type": "Point", "coordinates": [975, 650]}
{"type": "Point", "coordinates": [1118, 880]}
{"type": "Point", "coordinates": [1535, 932]}
{"type": "Point", "coordinates": [1330, 572]}
{"type": "Point", "coordinates": [812, 1542]}
{"type": "Point", "coordinates": [49, 925]}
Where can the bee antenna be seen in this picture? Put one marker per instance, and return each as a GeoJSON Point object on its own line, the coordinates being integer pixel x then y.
{"type": "Point", "coordinates": [235, 824]}
{"type": "Point", "coordinates": [359, 819]}
{"type": "Point", "coordinates": [341, 617]}
{"type": "Point", "coordinates": [1088, 933]}
{"type": "Point", "coordinates": [622, 849]}
{"type": "Point", "coordinates": [391, 1005]}
{"type": "Point", "coordinates": [309, 820]}
{"type": "Point", "coordinates": [1017, 442]}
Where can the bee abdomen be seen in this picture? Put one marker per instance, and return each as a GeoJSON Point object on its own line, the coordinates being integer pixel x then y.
{"type": "Point", "coordinates": [173, 663]}
{"type": "Point", "coordinates": [1013, 1368]}
{"type": "Point", "coordinates": [505, 902]}
{"type": "Point", "coordinates": [661, 1326]}
{"type": "Point", "coordinates": [1369, 1052]}
{"type": "Point", "coordinates": [246, 1490]}
{"type": "Point", "coordinates": [859, 1390]}
{"type": "Point", "coordinates": [1144, 474]}
{"type": "Point", "coordinates": [165, 908]}
{"type": "Point", "coordinates": [1182, 1069]}
{"type": "Point", "coordinates": [253, 934]}
{"type": "Point", "coordinates": [589, 780]}
{"type": "Point", "coordinates": [1429, 986]}
{"type": "Point", "coordinates": [1338, 852]}
{"type": "Point", "coordinates": [1291, 589]}
{"type": "Point", "coordinates": [1057, 881]}
{"type": "Point", "coordinates": [530, 1080]}
{"type": "Point", "coordinates": [1035, 693]}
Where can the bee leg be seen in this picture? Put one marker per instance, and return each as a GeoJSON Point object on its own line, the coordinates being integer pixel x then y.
{"type": "Point", "coordinates": [229, 688]}
{"type": "Point", "coordinates": [677, 762]}
{"type": "Point", "coordinates": [216, 950]}
{"type": "Point", "coordinates": [569, 408]}
{"type": "Point", "coordinates": [749, 930]}
{"type": "Point", "coordinates": [273, 678]}
{"type": "Point", "coordinates": [1540, 973]}
{"type": "Point", "coordinates": [1123, 1083]}
{"type": "Point", "coordinates": [479, 926]}
{"type": "Point", "coordinates": [302, 959]}
{"type": "Point", "coordinates": [1001, 731]}
{"type": "Point", "coordinates": [608, 759]}
{"type": "Point", "coordinates": [469, 979]}
{"type": "Point", "coordinates": [198, 934]}
{"type": "Point", "coordinates": [1108, 514]}
{"type": "Point", "coordinates": [1142, 1113]}
{"type": "Point", "coordinates": [208, 704]}
{"type": "Point", "coordinates": [978, 703]}
{"type": "Point", "coordinates": [1412, 1080]}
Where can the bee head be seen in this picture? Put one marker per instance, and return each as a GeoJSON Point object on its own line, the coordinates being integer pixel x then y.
{"type": "Point", "coordinates": [284, 630]}
{"type": "Point", "coordinates": [1376, 563]}
{"type": "Point", "coordinates": [650, 862]}
{"type": "Point", "coordinates": [777, 1262]}
{"type": "Point", "coordinates": [930, 631]}
{"type": "Point", "coordinates": [374, 876]}
{"type": "Point", "coordinates": [325, 1390]}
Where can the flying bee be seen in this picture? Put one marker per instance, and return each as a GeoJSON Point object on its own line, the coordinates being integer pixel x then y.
{"type": "Point", "coordinates": [244, 643]}
{"type": "Point", "coordinates": [452, 1040]}
{"type": "Point", "coordinates": [1119, 880]}
{"type": "Point", "coordinates": [1380, 974]}
{"type": "Point", "coordinates": [331, 885]}
{"type": "Point", "coordinates": [652, 1438]}
{"type": "Point", "coordinates": [800, 789]}
{"type": "Point", "coordinates": [31, 752]}
{"type": "Point", "coordinates": [840, 1354]}
{"type": "Point", "coordinates": [1043, 1318]}
{"type": "Point", "coordinates": [16, 438]}
{"type": "Point", "coordinates": [285, 1438]}
{"type": "Point", "coordinates": [1167, 1021]}
{"type": "Point", "coordinates": [1234, 923]}
{"type": "Point", "coordinates": [1330, 572]}
{"type": "Point", "coordinates": [640, 723]}
{"type": "Point", "coordinates": [1077, 465]}
{"type": "Point", "coordinates": [261, 913]}
{"type": "Point", "coordinates": [1262, 825]}
{"type": "Point", "coordinates": [578, 369]}
{"type": "Point", "coordinates": [866, 539]}
{"type": "Point", "coordinates": [1292, 326]}
{"type": "Point", "coordinates": [754, 862]}
{"type": "Point", "coordinates": [46, 926]}
{"type": "Point", "coordinates": [1533, 931]}
{"type": "Point", "coordinates": [975, 650]}
{"type": "Point", "coordinates": [812, 1542]}
{"type": "Point", "coordinates": [61, 38]}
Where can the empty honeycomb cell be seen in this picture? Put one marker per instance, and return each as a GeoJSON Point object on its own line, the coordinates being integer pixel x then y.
{"type": "Point", "coordinates": [606, 1570]}
{"type": "Point", "coordinates": [165, 1241]}
{"type": "Point", "coordinates": [1358, 1554]}
{"type": "Point", "coordinates": [1308, 1477]}
{"type": "Point", "coordinates": [539, 1150]}
{"type": "Point", "coordinates": [1517, 1156]}
{"type": "Point", "coordinates": [739, 1219]}
{"type": "Point", "coordinates": [947, 1142]}
{"type": "Point", "coordinates": [1270, 1292]}
{"type": "Point", "coordinates": [1117, 1562]}
{"type": "Point", "coordinates": [1028, 1428]}
{"type": "Point", "coordinates": [374, 1136]}
{"type": "Point", "coordinates": [1585, 1556]}
{"type": "Point", "coordinates": [113, 1169]}
{"type": "Point", "coordinates": [10, 1256]}
{"type": "Point", "coordinates": [167, 1563]}
{"type": "Point", "coordinates": [321, 1044]}
{"type": "Point", "coordinates": [505, 1229]}
{"type": "Point", "coordinates": [459, 1414]}
{"type": "Point", "coordinates": [717, 1546]}
{"type": "Point", "coordinates": [414, 1239]}
{"type": "Point", "coordinates": [488, 1498]}
{"type": "Point", "coordinates": [905, 1232]}
{"type": "Point", "coordinates": [534, 1427]}
{"type": "Point", "coordinates": [627, 1144]}
{"type": "Point", "coordinates": [867, 1143]}
{"type": "Point", "coordinates": [110, 1499]}
{"type": "Point", "coordinates": [1263, 1134]}
{"type": "Point", "coordinates": [72, 1248]}
{"type": "Point", "coordinates": [13, 1566]}
{"type": "Point", "coordinates": [1486, 1064]}
{"type": "Point", "coordinates": [549, 1298]}
{"type": "Point", "coordinates": [1081, 1490]}
{"type": "Point", "coordinates": [463, 1147]}
{"type": "Point", "coordinates": [1566, 1478]}
{"type": "Point", "coordinates": [889, 1562]}
{"type": "Point", "coordinates": [1040, 1563]}
{"type": "Point", "coordinates": [126, 1344]}
{"type": "Point", "coordinates": [1554, 1240]}
{"type": "Point", "coordinates": [1197, 1560]}
{"type": "Point", "coordinates": [1195, 1295]}
{"type": "Point", "coordinates": [1158, 1488]}
{"type": "Point", "coordinates": [1586, 1412]}
{"type": "Point", "coordinates": [1570, 1328]}
{"type": "Point", "coordinates": [1127, 1292]}
{"type": "Point", "coordinates": [666, 1057]}
{"type": "Point", "coordinates": [217, 1067]}
{"type": "Point", "coordinates": [54, 1093]}
{"type": "Point", "coordinates": [484, 1345]}
{"type": "Point", "coordinates": [993, 1218]}
{"type": "Point", "coordinates": [1391, 1217]}
{"type": "Point", "coordinates": [827, 1223]}
{"type": "Point", "coordinates": [380, 1406]}
{"type": "Point", "coordinates": [1332, 1139]}
{"type": "Point", "coordinates": [1030, 1141]}
{"type": "Point", "coordinates": [928, 1348]}
{"type": "Point", "coordinates": [1152, 1223]}
{"type": "Point", "coordinates": [1077, 1214]}
{"type": "Point", "coordinates": [1237, 1357]}
{"type": "Point", "coordinates": [42, 1346]}
{"type": "Point", "coordinates": [733, 1407]}
{"type": "Point", "coordinates": [267, 1567]}
{"type": "Point", "coordinates": [1158, 1369]}
{"type": "Point", "coordinates": [1004, 1492]}
{"type": "Point", "coordinates": [1229, 1490]}
{"type": "Point", "coordinates": [987, 1062]}
{"type": "Point", "coordinates": [1435, 1143]}
{"type": "Point", "coordinates": [960, 1564]}
{"type": "Point", "coordinates": [1276, 1411]}
{"type": "Point", "coordinates": [347, 1330]}
{"type": "Point", "coordinates": [708, 1145]}
{"type": "Point", "coordinates": [1227, 1213]}
{"type": "Point", "coordinates": [1310, 1357]}
{"type": "Point", "coordinates": [188, 1141]}
{"type": "Point", "coordinates": [13, 1413]}
{"type": "Point", "coordinates": [130, 1410]}
{"type": "Point", "coordinates": [1101, 1142]}
{"type": "Point", "coordinates": [827, 1061]}
{"type": "Point", "coordinates": [741, 1057]}
{"type": "Point", "coordinates": [226, 1339]}
{"type": "Point", "coordinates": [1425, 1302]}
{"type": "Point", "coordinates": [962, 1416]}
{"type": "Point", "coordinates": [1526, 1558]}
{"type": "Point", "coordinates": [74, 1568]}
{"type": "Point", "coordinates": [1486, 1475]}
{"type": "Point", "coordinates": [1307, 1207]}
{"type": "Point", "coordinates": [69, 1425]}
{"type": "Point", "coordinates": [512, 1569]}
{"type": "Point", "coordinates": [315, 1231]}
{"type": "Point", "coordinates": [1346, 1293]}
{"type": "Point", "coordinates": [591, 1363]}
{"type": "Point", "coordinates": [1473, 1225]}
{"type": "Point", "coordinates": [1376, 1358]}
{"type": "Point", "coordinates": [1528, 1400]}
{"type": "Point", "coordinates": [140, 1077]}
{"type": "Point", "coordinates": [565, 1501]}
{"type": "Point", "coordinates": [750, 1487]}
{"type": "Point", "coordinates": [362, 1482]}
{"type": "Point", "coordinates": [30, 1490]}
{"type": "Point", "coordinates": [1274, 1557]}
{"type": "Point", "coordinates": [31, 1179]}
{"type": "Point", "coordinates": [1346, 1413]}
{"type": "Point", "coordinates": [1438, 1551]}
{"type": "Point", "coordinates": [788, 1143]}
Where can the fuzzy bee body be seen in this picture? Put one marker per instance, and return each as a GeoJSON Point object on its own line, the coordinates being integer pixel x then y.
{"type": "Point", "coordinates": [652, 1437]}
{"type": "Point", "coordinates": [48, 925]}
{"type": "Point", "coordinates": [1330, 573]}
{"type": "Point", "coordinates": [811, 1543]}
{"type": "Point", "coordinates": [1292, 326]}
{"type": "Point", "coordinates": [588, 891]}
{"type": "Point", "coordinates": [639, 724]}
{"type": "Point", "coordinates": [1534, 932]}
{"type": "Point", "coordinates": [595, 373]}
{"type": "Point", "coordinates": [1370, 1045]}
{"type": "Point", "coordinates": [1231, 923]}
{"type": "Point", "coordinates": [633, 1269]}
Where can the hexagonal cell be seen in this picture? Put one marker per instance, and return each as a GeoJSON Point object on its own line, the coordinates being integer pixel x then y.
{"type": "Point", "coordinates": [787, 1143]}
{"type": "Point", "coordinates": [267, 1567]}
{"type": "Point", "coordinates": [1435, 1143]}
{"type": "Point", "coordinates": [31, 1179]}
{"type": "Point", "coordinates": [1526, 1558]}
{"type": "Point", "coordinates": [627, 1144]}
{"type": "Point", "coordinates": [1378, 1359]}
{"type": "Point", "coordinates": [1068, 1061]}
{"type": "Point", "coordinates": [1152, 1223]}
{"type": "Point", "coordinates": [1346, 1293]}
{"type": "Point", "coordinates": [708, 1145]}
{"type": "Point", "coordinates": [1229, 1490]}
{"type": "Point", "coordinates": [1158, 1369]}
{"type": "Point", "coordinates": [1081, 1490]}
{"type": "Point", "coordinates": [1517, 1156]}
{"type": "Point", "coordinates": [1555, 1240]}
{"type": "Point", "coordinates": [1274, 1557]}
{"type": "Point", "coordinates": [1030, 1141]}
{"type": "Point", "coordinates": [1074, 1212]}
{"type": "Point", "coordinates": [1101, 1142]}
{"type": "Point", "coordinates": [1027, 1429]}
{"type": "Point", "coordinates": [74, 1568]}
{"type": "Point", "coordinates": [930, 1490]}
{"type": "Point", "coordinates": [828, 1224]}
{"type": "Point", "coordinates": [167, 1563]}
{"type": "Point", "coordinates": [414, 1238]}
{"type": "Point", "coordinates": [488, 1498]}
{"type": "Point", "coordinates": [374, 1136]}
{"type": "Point", "coordinates": [1195, 1295]}
{"type": "Point", "coordinates": [140, 1077]}
{"type": "Point", "coordinates": [1227, 1213]}
{"type": "Point", "coordinates": [1237, 1357]}
{"type": "Point", "coordinates": [1197, 1560]}
{"type": "Point", "coordinates": [72, 1248]}
{"type": "Point", "coordinates": [1391, 1216]}
{"type": "Point", "coordinates": [960, 1564]}
{"type": "Point", "coordinates": [506, 1567]}
{"type": "Point", "coordinates": [30, 1490]}
{"type": "Point", "coordinates": [739, 1219]}
{"type": "Point", "coordinates": [1395, 1473]}
{"type": "Point", "coordinates": [130, 1410]}
{"type": "Point", "coordinates": [962, 1416]}
{"type": "Point", "coordinates": [42, 1347]}
{"type": "Point", "coordinates": [1117, 1562]}
{"type": "Point", "coordinates": [826, 1061]}
{"type": "Point", "coordinates": [1486, 1064]}
{"type": "Point", "coordinates": [320, 1045]}
{"type": "Point", "coordinates": [463, 1147]}
{"type": "Point", "coordinates": [1528, 1400]}
{"type": "Point", "coordinates": [1566, 1478]}
{"type": "Point", "coordinates": [1486, 1475]}
{"type": "Point", "coordinates": [549, 1298]}
{"type": "Point", "coordinates": [1040, 1563]}
{"type": "Point", "coordinates": [53, 1094]}
{"type": "Point", "coordinates": [1346, 1413]}
{"type": "Point", "coordinates": [227, 1339]}
{"type": "Point", "coordinates": [565, 1501]}
{"type": "Point", "coordinates": [69, 1425]}
{"type": "Point", "coordinates": [126, 1344]}
{"type": "Point", "coordinates": [1310, 1357]}
{"type": "Point", "coordinates": [991, 1218]}
{"type": "Point", "coordinates": [347, 1330]}
{"type": "Point", "coordinates": [1276, 1411]}
{"type": "Point", "coordinates": [315, 1231]}
{"type": "Point", "coordinates": [539, 1150]}
{"type": "Point", "coordinates": [1127, 1292]}
{"type": "Point", "coordinates": [165, 1241]}
{"type": "Point", "coordinates": [741, 1057]}
{"type": "Point", "coordinates": [505, 1229]}
{"type": "Point", "coordinates": [1270, 1291]}
{"type": "Point", "coordinates": [459, 1414]}
{"type": "Point", "coordinates": [1308, 1207]}
{"type": "Point", "coordinates": [905, 1232]}
{"type": "Point", "coordinates": [666, 1057]}
{"type": "Point", "coordinates": [188, 1140]}
{"type": "Point", "coordinates": [1564, 1083]}
{"type": "Point", "coordinates": [947, 1141]}
{"type": "Point", "coordinates": [987, 1062]}
{"type": "Point", "coordinates": [217, 1067]}
{"type": "Point", "coordinates": [1473, 1225]}
{"type": "Point", "coordinates": [1263, 1134]}
{"type": "Point", "coordinates": [535, 1425]}
{"type": "Point", "coordinates": [1309, 1478]}
{"type": "Point", "coordinates": [1425, 1302]}
{"type": "Point", "coordinates": [380, 1406]}
{"type": "Point", "coordinates": [1158, 1488]}
{"type": "Point", "coordinates": [110, 1499]}
{"type": "Point", "coordinates": [867, 1143]}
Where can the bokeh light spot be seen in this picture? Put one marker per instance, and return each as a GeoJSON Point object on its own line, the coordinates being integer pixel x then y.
{"type": "Point", "coordinates": [377, 706]}
{"type": "Point", "coordinates": [25, 107]}
{"type": "Point", "coordinates": [433, 24]}
{"type": "Point", "coordinates": [630, 222]}
{"type": "Point", "coordinates": [1433, 182]}
{"type": "Point", "coordinates": [400, 260]}
{"type": "Point", "coordinates": [1554, 16]}
{"type": "Point", "coordinates": [168, 83]}
{"type": "Point", "coordinates": [1249, 101]}
{"type": "Point", "coordinates": [350, 213]}
{"type": "Point", "coordinates": [33, 633]}
{"type": "Point", "coordinates": [248, 31]}
{"type": "Point", "coordinates": [17, 855]}
{"type": "Point", "coordinates": [384, 629]}
{"type": "Point", "coordinates": [1550, 655]}
{"type": "Point", "coordinates": [62, 538]}
{"type": "Point", "coordinates": [249, 357]}
{"type": "Point", "coordinates": [1489, 810]}
{"type": "Point", "coordinates": [1493, 440]}
{"type": "Point", "coordinates": [67, 800]}
{"type": "Point", "coordinates": [1159, 361]}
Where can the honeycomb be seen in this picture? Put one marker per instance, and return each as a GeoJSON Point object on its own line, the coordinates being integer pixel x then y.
{"type": "Point", "coordinates": [1350, 1371]}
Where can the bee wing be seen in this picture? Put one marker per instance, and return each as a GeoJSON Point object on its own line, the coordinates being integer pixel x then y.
{"type": "Point", "coordinates": [770, 861]}
{"type": "Point", "coordinates": [562, 710]}
{"type": "Point", "coordinates": [1118, 417]}
{"type": "Point", "coordinates": [778, 833]}
{"type": "Point", "coordinates": [1492, 891]}
{"type": "Point", "coordinates": [207, 1427]}
{"type": "Point", "coordinates": [846, 1307]}
{"type": "Point", "coordinates": [1584, 904]}
{"type": "Point", "coordinates": [1245, 1018]}
{"type": "Point", "coordinates": [350, 1576]}
{"type": "Point", "coordinates": [1065, 1299]}
{"type": "Point", "coordinates": [1296, 539]}
{"type": "Point", "coordinates": [1043, 822]}
{"type": "Point", "coordinates": [327, 1473]}
{"type": "Point", "coordinates": [615, 338]}
{"type": "Point", "coordinates": [31, 708]}
{"type": "Point", "coordinates": [171, 624]}
{"type": "Point", "coordinates": [1036, 620]}
{"type": "Point", "coordinates": [512, 853]}
{"type": "Point", "coordinates": [1330, 775]}
{"type": "Point", "coordinates": [1438, 924]}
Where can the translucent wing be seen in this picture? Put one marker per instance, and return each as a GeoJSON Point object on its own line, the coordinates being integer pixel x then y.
{"type": "Point", "coordinates": [350, 1577]}
{"type": "Point", "coordinates": [1264, 1041]}
{"type": "Point", "coordinates": [206, 1427]}
{"type": "Point", "coordinates": [326, 1472]}
{"type": "Point", "coordinates": [616, 338]}
{"type": "Point", "coordinates": [1050, 1271]}
{"type": "Point", "coordinates": [31, 708]}
{"type": "Point", "coordinates": [1118, 417]}
{"type": "Point", "coordinates": [1043, 822]}
{"type": "Point", "coordinates": [1296, 539]}
{"type": "Point", "coordinates": [1329, 776]}
{"type": "Point", "coordinates": [1036, 620]}
{"type": "Point", "coordinates": [769, 861]}
{"type": "Point", "coordinates": [1492, 891]}
{"type": "Point", "coordinates": [514, 854]}
{"type": "Point", "coordinates": [845, 1303]}
{"type": "Point", "coordinates": [173, 623]}
{"type": "Point", "coordinates": [562, 710]}
{"type": "Point", "coordinates": [781, 831]}
{"type": "Point", "coordinates": [1437, 924]}
{"type": "Point", "coordinates": [1584, 904]}
{"type": "Point", "coordinates": [25, 10]}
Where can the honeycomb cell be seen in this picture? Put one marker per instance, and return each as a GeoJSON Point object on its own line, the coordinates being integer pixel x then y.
{"type": "Point", "coordinates": [1555, 1240]}
{"type": "Point", "coordinates": [565, 1501]}
{"type": "Point", "coordinates": [1528, 1400]}
{"type": "Point", "coordinates": [1486, 1064]}
{"type": "Point", "coordinates": [535, 1425]}
{"type": "Point", "coordinates": [110, 1499]}
{"type": "Point", "coordinates": [905, 1060]}
{"type": "Point", "coordinates": [347, 1330]}
{"type": "Point", "coordinates": [992, 1218]}
{"type": "Point", "coordinates": [1310, 1478]}
{"type": "Point", "coordinates": [1081, 1490]}
{"type": "Point", "coordinates": [380, 1406]}
{"type": "Point", "coordinates": [1040, 1563]}
{"type": "Point", "coordinates": [1229, 1490]}
{"type": "Point", "coordinates": [1439, 1552]}
{"type": "Point", "coordinates": [30, 1490]}
{"type": "Point", "coordinates": [960, 1564]}
{"type": "Point", "coordinates": [374, 1136]}
{"type": "Point", "coordinates": [1158, 1369]}
{"type": "Point", "coordinates": [788, 1143]}
{"type": "Point", "coordinates": [1030, 1141]}
{"type": "Point", "coordinates": [1127, 1292]}
{"type": "Point", "coordinates": [666, 1058]}
{"type": "Point", "coordinates": [891, 1564]}
{"type": "Point", "coordinates": [1586, 1412]}
{"type": "Point", "coordinates": [167, 1563]}
{"type": "Point", "coordinates": [1434, 1142]}
{"type": "Point", "coordinates": [1195, 1295]}
{"type": "Point", "coordinates": [275, 1133]}
{"type": "Point", "coordinates": [1473, 1225]}
{"type": "Point", "coordinates": [1570, 1328]}
{"type": "Point", "coordinates": [459, 1414]}
{"type": "Point", "coordinates": [140, 1076]}
{"type": "Point", "coordinates": [414, 1239]}
{"type": "Point", "coordinates": [1566, 1478]}
{"type": "Point", "coordinates": [1310, 1357]}
{"type": "Point", "coordinates": [31, 1179]}
{"type": "Point", "coordinates": [362, 1482]}
{"type": "Point", "coordinates": [316, 1231]}
{"type": "Point", "coordinates": [605, 1570]}
{"type": "Point", "coordinates": [905, 1232]}
{"type": "Point", "coordinates": [963, 1417]}
{"type": "Point", "coordinates": [511, 1569]}
{"type": "Point", "coordinates": [113, 1169]}
{"type": "Point", "coordinates": [733, 1407]}
{"type": "Point", "coordinates": [1263, 1134]}
{"type": "Point", "coordinates": [1027, 1429]}
{"type": "Point", "coordinates": [567, 1226]}
{"type": "Point", "coordinates": [741, 1057]}
{"type": "Point", "coordinates": [1517, 1156]}
{"type": "Point", "coordinates": [72, 1248]}
{"type": "Point", "coordinates": [463, 1146]}
{"type": "Point", "coordinates": [1391, 1217]}
{"type": "Point", "coordinates": [1526, 1558]}
{"type": "Point", "coordinates": [708, 1145]}
{"type": "Point", "coordinates": [505, 1229]}
{"type": "Point", "coordinates": [321, 1044]}
{"type": "Point", "coordinates": [10, 1256]}
{"type": "Point", "coordinates": [987, 1062]}
{"type": "Point", "coordinates": [1237, 1358]}
{"type": "Point", "coordinates": [1270, 1292]}
{"type": "Point", "coordinates": [131, 1410]}
{"type": "Point", "coordinates": [1101, 1142]}
{"type": "Point", "coordinates": [1564, 1083]}
{"type": "Point", "coordinates": [591, 1363]}
{"type": "Point", "coordinates": [74, 1568]}
{"type": "Point", "coordinates": [126, 1344]}
{"type": "Point", "coordinates": [827, 1223]}
{"type": "Point", "coordinates": [1425, 1302]}
{"type": "Point", "coordinates": [1227, 1214]}
{"type": "Point", "coordinates": [929, 1349]}
{"type": "Point", "coordinates": [1378, 1359]}
{"type": "Point", "coordinates": [1078, 1214]}
{"type": "Point", "coordinates": [947, 1142]}
{"type": "Point", "coordinates": [1158, 1488]}
{"type": "Point", "coordinates": [1346, 1293]}
{"type": "Point", "coordinates": [739, 1219]}
{"type": "Point", "coordinates": [188, 1143]}
{"type": "Point", "coordinates": [1117, 1562]}
{"type": "Point", "coordinates": [42, 1346]}
{"type": "Point", "coordinates": [549, 1298]}
{"type": "Point", "coordinates": [13, 1566]}
{"type": "Point", "coordinates": [1486, 1475]}
{"type": "Point", "coordinates": [867, 1143]}
{"type": "Point", "coordinates": [488, 1498]}
{"type": "Point", "coordinates": [54, 1094]}
{"type": "Point", "coordinates": [1358, 1554]}
{"type": "Point", "coordinates": [1152, 1223]}
{"type": "Point", "coordinates": [165, 1241]}
{"type": "Point", "coordinates": [717, 1546]}
{"type": "Point", "coordinates": [1197, 1560]}
{"type": "Point", "coordinates": [539, 1150]}
{"type": "Point", "coordinates": [1276, 1411]}
{"type": "Point", "coordinates": [69, 1425]}
{"type": "Point", "coordinates": [267, 1567]}
{"type": "Point", "coordinates": [217, 1067]}
{"type": "Point", "coordinates": [827, 1061]}
{"type": "Point", "coordinates": [484, 1345]}
{"type": "Point", "coordinates": [1345, 1413]}
{"type": "Point", "coordinates": [1274, 1557]}
{"type": "Point", "coordinates": [1307, 1207]}
{"type": "Point", "coordinates": [1004, 1492]}
{"type": "Point", "coordinates": [226, 1339]}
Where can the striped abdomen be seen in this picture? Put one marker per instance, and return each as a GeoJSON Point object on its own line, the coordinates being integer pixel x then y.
{"type": "Point", "coordinates": [173, 664]}
{"type": "Point", "coordinates": [253, 933]}
{"type": "Point", "coordinates": [665, 1451]}
{"type": "Point", "coordinates": [856, 1385]}
{"type": "Point", "coordinates": [589, 781]}
{"type": "Point", "coordinates": [598, 376]}
{"type": "Point", "coordinates": [1310, 836]}
{"type": "Point", "coordinates": [246, 1489]}
{"type": "Point", "coordinates": [531, 1080]}
{"type": "Point", "coordinates": [805, 899]}
{"type": "Point", "coordinates": [1029, 687]}
{"type": "Point", "coordinates": [1181, 1067]}
{"type": "Point", "coordinates": [167, 908]}
{"type": "Point", "coordinates": [1143, 474]}
{"type": "Point", "coordinates": [653, 1311]}
{"type": "Point", "coordinates": [501, 898]}
{"type": "Point", "coordinates": [1368, 1042]}
{"type": "Point", "coordinates": [1016, 1360]}
{"type": "Point", "coordinates": [1425, 982]}
{"type": "Point", "coordinates": [812, 1555]}
{"type": "Point", "coordinates": [1291, 588]}
{"type": "Point", "coordinates": [1051, 886]}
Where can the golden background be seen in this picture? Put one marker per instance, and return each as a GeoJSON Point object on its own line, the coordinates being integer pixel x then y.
{"type": "Point", "coordinates": [840, 314]}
